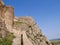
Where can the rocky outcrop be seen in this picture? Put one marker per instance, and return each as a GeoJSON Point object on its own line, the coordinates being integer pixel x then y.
{"type": "Point", "coordinates": [5, 25]}
{"type": "Point", "coordinates": [9, 17]}
{"type": "Point", "coordinates": [30, 31]}
{"type": "Point", "coordinates": [7, 14]}
{"type": "Point", "coordinates": [3, 30]}
{"type": "Point", "coordinates": [25, 29]}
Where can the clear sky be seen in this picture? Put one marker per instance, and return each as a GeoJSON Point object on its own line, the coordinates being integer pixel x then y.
{"type": "Point", "coordinates": [46, 14]}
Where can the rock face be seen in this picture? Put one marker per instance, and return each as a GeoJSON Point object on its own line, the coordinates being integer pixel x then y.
{"type": "Point", "coordinates": [3, 28]}
{"type": "Point", "coordinates": [25, 30]}
{"type": "Point", "coordinates": [31, 33]}
{"type": "Point", "coordinates": [7, 14]}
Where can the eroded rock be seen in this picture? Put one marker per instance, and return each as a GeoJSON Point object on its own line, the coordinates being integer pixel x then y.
{"type": "Point", "coordinates": [25, 29]}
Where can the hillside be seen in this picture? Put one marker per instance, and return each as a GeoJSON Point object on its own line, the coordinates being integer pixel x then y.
{"type": "Point", "coordinates": [55, 41]}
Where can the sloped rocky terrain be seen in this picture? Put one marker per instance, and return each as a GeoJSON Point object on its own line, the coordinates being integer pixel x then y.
{"type": "Point", "coordinates": [26, 25]}
{"type": "Point", "coordinates": [19, 30]}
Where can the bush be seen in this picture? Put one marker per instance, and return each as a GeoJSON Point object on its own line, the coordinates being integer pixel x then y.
{"type": "Point", "coordinates": [7, 40]}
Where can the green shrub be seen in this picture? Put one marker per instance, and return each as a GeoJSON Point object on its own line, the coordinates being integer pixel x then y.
{"type": "Point", "coordinates": [7, 40]}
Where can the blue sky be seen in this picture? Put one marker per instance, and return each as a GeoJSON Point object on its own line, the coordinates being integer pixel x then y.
{"type": "Point", "coordinates": [46, 14]}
